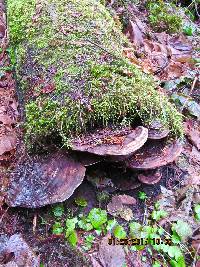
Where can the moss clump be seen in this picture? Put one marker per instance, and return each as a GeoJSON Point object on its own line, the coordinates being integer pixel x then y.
{"type": "Point", "coordinates": [164, 16]}
{"type": "Point", "coordinates": [71, 67]}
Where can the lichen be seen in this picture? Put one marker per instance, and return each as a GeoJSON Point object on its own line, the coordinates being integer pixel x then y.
{"type": "Point", "coordinates": [71, 68]}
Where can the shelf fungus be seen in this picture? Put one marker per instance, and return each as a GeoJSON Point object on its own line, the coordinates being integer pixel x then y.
{"type": "Point", "coordinates": [41, 181]}
{"type": "Point", "coordinates": [152, 177]}
{"type": "Point", "coordinates": [157, 131]}
{"type": "Point", "coordinates": [121, 144]}
{"type": "Point", "coordinates": [154, 154]}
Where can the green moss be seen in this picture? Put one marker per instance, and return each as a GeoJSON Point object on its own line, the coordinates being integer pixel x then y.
{"type": "Point", "coordinates": [164, 16]}
{"type": "Point", "coordinates": [76, 48]}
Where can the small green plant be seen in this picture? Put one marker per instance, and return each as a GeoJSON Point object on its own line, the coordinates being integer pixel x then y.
{"type": "Point", "coordinates": [82, 202]}
{"type": "Point", "coordinates": [110, 225]}
{"type": "Point", "coordinates": [164, 16]}
{"type": "Point", "coordinates": [58, 210]}
{"type": "Point", "coordinates": [70, 232]}
{"type": "Point", "coordinates": [189, 30]}
{"type": "Point", "coordinates": [182, 229]}
{"type": "Point", "coordinates": [142, 195]}
{"type": "Point", "coordinates": [97, 217]}
{"type": "Point", "coordinates": [119, 232]}
{"type": "Point", "coordinates": [159, 214]}
{"type": "Point", "coordinates": [84, 223]}
{"type": "Point", "coordinates": [57, 228]}
{"type": "Point", "coordinates": [88, 242]}
{"type": "Point", "coordinates": [197, 211]}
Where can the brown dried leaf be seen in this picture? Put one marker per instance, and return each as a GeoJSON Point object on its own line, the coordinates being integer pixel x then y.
{"type": "Point", "coordinates": [192, 130]}
{"type": "Point", "coordinates": [7, 143]}
{"type": "Point", "coordinates": [134, 34]}
{"type": "Point", "coordinates": [111, 256]}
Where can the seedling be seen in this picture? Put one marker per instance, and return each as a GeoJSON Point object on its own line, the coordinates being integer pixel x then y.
{"type": "Point", "coordinates": [142, 195]}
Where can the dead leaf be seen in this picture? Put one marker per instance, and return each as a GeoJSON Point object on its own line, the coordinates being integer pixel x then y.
{"type": "Point", "coordinates": [126, 200]}
{"type": "Point", "coordinates": [48, 88]}
{"type": "Point", "coordinates": [7, 143]}
{"type": "Point", "coordinates": [117, 206]}
{"type": "Point", "coordinates": [134, 33]}
{"type": "Point", "coordinates": [5, 119]}
{"type": "Point", "coordinates": [111, 256]}
{"type": "Point", "coordinates": [126, 214]}
{"type": "Point", "coordinates": [192, 130]}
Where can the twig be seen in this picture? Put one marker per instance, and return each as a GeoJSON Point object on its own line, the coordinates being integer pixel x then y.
{"type": "Point", "coordinates": [3, 215]}
{"type": "Point", "coordinates": [195, 256]}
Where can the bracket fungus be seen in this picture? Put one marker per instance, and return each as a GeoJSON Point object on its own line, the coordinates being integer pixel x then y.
{"type": "Point", "coordinates": [154, 154]}
{"type": "Point", "coordinates": [122, 145]}
{"type": "Point", "coordinates": [152, 177]}
{"type": "Point", "coordinates": [41, 181]}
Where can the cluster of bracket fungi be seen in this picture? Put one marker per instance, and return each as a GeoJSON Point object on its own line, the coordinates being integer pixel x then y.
{"type": "Point", "coordinates": [41, 180]}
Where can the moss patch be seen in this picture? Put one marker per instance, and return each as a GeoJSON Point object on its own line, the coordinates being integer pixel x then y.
{"type": "Point", "coordinates": [71, 67]}
{"type": "Point", "coordinates": [164, 16]}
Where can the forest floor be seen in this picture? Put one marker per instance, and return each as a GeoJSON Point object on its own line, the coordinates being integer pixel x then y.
{"type": "Point", "coordinates": [111, 200]}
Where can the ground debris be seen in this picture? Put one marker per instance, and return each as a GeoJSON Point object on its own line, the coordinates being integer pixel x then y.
{"type": "Point", "coordinates": [111, 256]}
{"type": "Point", "coordinates": [16, 252]}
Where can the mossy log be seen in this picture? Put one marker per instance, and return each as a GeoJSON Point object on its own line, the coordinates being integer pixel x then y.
{"type": "Point", "coordinates": [73, 74]}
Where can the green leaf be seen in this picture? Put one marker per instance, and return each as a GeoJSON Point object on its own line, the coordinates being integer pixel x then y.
{"type": "Point", "coordinates": [57, 228]}
{"type": "Point", "coordinates": [189, 30]}
{"type": "Point", "coordinates": [88, 242]}
{"type": "Point", "coordinates": [72, 238]}
{"type": "Point", "coordinates": [179, 263]}
{"type": "Point", "coordinates": [70, 226]}
{"type": "Point", "coordinates": [175, 238]}
{"type": "Point", "coordinates": [161, 231]}
{"type": "Point", "coordinates": [84, 224]}
{"type": "Point", "coordinates": [110, 225]}
{"type": "Point", "coordinates": [97, 217]}
{"type": "Point", "coordinates": [135, 229]}
{"type": "Point", "coordinates": [58, 210]}
{"type": "Point", "coordinates": [183, 229]}
{"type": "Point", "coordinates": [159, 214]}
{"type": "Point", "coordinates": [81, 202]}
{"type": "Point", "coordinates": [175, 252]}
{"type": "Point", "coordinates": [197, 211]}
{"type": "Point", "coordinates": [119, 232]}
{"type": "Point", "coordinates": [142, 195]}
{"type": "Point", "coordinates": [144, 258]}
{"type": "Point", "coordinates": [156, 264]}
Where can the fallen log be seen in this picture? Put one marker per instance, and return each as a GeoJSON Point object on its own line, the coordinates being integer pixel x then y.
{"type": "Point", "coordinates": [73, 72]}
